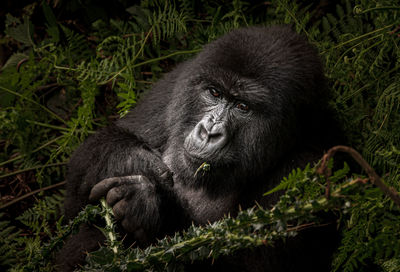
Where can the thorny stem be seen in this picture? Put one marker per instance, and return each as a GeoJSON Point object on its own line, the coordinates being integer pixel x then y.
{"type": "Point", "coordinates": [373, 177]}
{"type": "Point", "coordinates": [109, 223]}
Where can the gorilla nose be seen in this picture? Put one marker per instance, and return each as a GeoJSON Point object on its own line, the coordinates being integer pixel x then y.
{"type": "Point", "coordinates": [211, 135]}
{"type": "Point", "coordinates": [206, 139]}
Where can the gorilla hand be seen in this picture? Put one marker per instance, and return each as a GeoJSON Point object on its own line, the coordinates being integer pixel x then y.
{"type": "Point", "coordinates": [135, 201]}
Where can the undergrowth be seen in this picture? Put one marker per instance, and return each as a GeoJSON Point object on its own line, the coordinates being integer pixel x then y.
{"type": "Point", "coordinates": [66, 78]}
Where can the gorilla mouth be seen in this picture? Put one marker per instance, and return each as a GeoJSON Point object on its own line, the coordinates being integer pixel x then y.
{"type": "Point", "coordinates": [195, 159]}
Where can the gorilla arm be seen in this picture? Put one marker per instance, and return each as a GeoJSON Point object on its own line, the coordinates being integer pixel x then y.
{"type": "Point", "coordinates": [135, 182]}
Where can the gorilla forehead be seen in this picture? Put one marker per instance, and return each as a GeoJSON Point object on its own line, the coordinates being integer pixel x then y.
{"type": "Point", "coordinates": [275, 58]}
{"type": "Point", "coordinates": [253, 51]}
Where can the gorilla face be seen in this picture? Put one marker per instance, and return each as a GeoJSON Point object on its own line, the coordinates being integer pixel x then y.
{"type": "Point", "coordinates": [210, 140]}
{"type": "Point", "coordinates": [228, 125]}
{"type": "Point", "coordinates": [230, 128]}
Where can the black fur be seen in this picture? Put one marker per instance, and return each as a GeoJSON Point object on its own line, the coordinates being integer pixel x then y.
{"type": "Point", "coordinates": [252, 104]}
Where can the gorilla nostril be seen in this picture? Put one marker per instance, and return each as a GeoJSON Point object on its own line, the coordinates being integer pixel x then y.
{"type": "Point", "coordinates": [203, 134]}
{"type": "Point", "coordinates": [216, 137]}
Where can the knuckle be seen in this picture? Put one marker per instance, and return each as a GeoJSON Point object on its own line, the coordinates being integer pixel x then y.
{"type": "Point", "coordinates": [140, 179]}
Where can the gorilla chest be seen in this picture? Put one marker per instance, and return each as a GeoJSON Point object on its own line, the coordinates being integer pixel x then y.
{"type": "Point", "coordinates": [202, 207]}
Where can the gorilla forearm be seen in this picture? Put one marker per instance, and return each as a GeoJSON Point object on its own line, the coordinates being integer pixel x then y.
{"type": "Point", "coordinates": [117, 165]}
{"type": "Point", "coordinates": [111, 152]}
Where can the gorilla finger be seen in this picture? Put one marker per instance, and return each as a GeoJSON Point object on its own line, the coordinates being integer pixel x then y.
{"type": "Point", "coordinates": [158, 167]}
{"type": "Point", "coordinates": [163, 173]}
{"type": "Point", "coordinates": [161, 168]}
{"type": "Point", "coordinates": [115, 194]}
{"type": "Point", "coordinates": [119, 209]}
{"type": "Point", "coordinates": [101, 188]}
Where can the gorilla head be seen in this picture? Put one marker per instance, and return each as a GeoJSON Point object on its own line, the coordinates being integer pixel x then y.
{"type": "Point", "coordinates": [251, 105]}
{"type": "Point", "coordinates": [242, 104]}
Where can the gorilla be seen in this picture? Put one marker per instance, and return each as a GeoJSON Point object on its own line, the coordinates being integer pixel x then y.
{"type": "Point", "coordinates": [251, 107]}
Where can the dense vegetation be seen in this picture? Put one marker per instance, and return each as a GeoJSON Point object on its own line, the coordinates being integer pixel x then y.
{"type": "Point", "coordinates": [64, 76]}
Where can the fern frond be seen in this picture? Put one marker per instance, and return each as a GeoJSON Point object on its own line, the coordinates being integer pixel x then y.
{"type": "Point", "coordinates": [166, 22]}
{"type": "Point", "coordinates": [9, 245]}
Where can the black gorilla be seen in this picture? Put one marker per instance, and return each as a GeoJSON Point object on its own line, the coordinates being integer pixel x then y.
{"type": "Point", "coordinates": [252, 105]}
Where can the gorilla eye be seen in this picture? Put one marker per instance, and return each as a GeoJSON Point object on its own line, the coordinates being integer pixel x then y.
{"type": "Point", "coordinates": [242, 106]}
{"type": "Point", "coordinates": [214, 92]}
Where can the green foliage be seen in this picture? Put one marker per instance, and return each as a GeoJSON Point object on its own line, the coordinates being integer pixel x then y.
{"type": "Point", "coordinates": [364, 67]}
{"type": "Point", "coordinates": [20, 31]}
{"type": "Point", "coordinates": [293, 178]}
{"type": "Point", "coordinates": [391, 266]}
{"type": "Point", "coordinates": [372, 224]}
{"type": "Point", "coordinates": [37, 218]}
{"type": "Point", "coordinates": [64, 79]}
{"type": "Point", "coordinates": [9, 249]}
{"type": "Point", "coordinates": [19, 250]}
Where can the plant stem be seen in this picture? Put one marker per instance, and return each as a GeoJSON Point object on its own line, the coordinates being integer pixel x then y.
{"type": "Point", "coordinates": [32, 193]}
{"type": "Point", "coordinates": [109, 224]}
{"type": "Point", "coordinates": [34, 102]}
{"type": "Point", "coordinates": [32, 168]}
{"type": "Point", "coordinates": [356, 38]}
{"type": "Point", "coordinates": [47, 125]}
{"type": "Point", "coordinates": [35, 150]}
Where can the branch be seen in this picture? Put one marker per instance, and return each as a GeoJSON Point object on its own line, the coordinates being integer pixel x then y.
{"type": "Point", "coordinates": [373, 177]}
{"type": "Point", "coordinates": [32, 193]}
